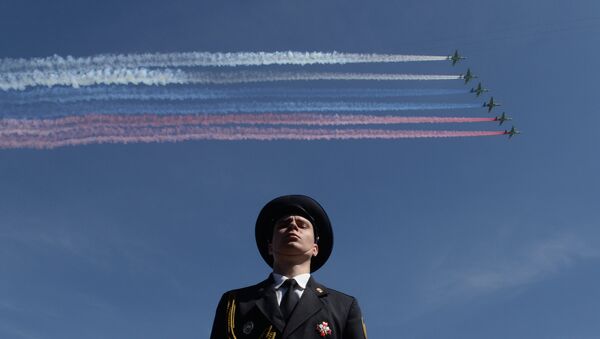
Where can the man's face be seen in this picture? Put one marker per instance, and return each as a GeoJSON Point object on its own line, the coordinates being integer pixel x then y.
{"type": "Point", "coordinates": [293, 235]}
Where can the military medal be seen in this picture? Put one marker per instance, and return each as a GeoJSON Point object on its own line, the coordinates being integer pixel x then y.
{"type": "Point", "coordinates": [323, 329]}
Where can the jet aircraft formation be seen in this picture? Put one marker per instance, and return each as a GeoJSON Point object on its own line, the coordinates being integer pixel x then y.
{"type": "Point", "coordinates": [159, 97]}
{"type": "Point", "coordinates": [468, 76]}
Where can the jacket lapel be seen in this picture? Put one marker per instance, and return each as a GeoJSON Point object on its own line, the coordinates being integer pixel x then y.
{"type": "Point", "coordinates": [267, 304]}
{"type": "Point", "coordinates": [308, 305]}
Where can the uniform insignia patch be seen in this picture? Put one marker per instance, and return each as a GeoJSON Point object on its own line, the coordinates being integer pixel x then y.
{"type": "Point", "coordinates": [248, 327]}
{"type": "Point", "coordinates": [323, 329]}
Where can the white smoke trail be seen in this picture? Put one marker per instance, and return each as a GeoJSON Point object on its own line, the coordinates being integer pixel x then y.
{"type": "Point", "coordinates": [179, 93]}
{"type": "Point", "coordinates": [143, 76]}
{"type": "Point", "coordinates": [105, 76]}
{"type": "Point", "coordinates": [243, 77]}
{"type": "Point", "coordinates": [200, 59]}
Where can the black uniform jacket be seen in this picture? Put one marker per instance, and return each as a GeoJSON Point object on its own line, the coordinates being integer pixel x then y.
{"type": "Point", "coordinates": [252, 312]}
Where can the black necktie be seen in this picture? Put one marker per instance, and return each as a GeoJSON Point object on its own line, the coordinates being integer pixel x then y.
{"type": "Point", "coordinates": [289, 299]}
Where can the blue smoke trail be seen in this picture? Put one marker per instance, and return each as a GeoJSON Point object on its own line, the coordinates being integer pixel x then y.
{"type": "Point", "coordinates": [168, 108]}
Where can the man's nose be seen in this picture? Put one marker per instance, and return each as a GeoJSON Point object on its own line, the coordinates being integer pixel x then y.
{"type": "Point", "coordinates": [293, 223]}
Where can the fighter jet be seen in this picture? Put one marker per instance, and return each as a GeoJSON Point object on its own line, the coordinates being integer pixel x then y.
{"type": "Point", "coordinates": [491, 104]}
{"type": "Point", "coordinates": [502, 118]}
{"type": "Point", "coordinates": [455, 58]}
{"type": "Point", "coordinates": [468, 76]}
{"type": "Point", "coordinates": [478, 90]}
{"type": "Point", "coordinates": [511, 132]}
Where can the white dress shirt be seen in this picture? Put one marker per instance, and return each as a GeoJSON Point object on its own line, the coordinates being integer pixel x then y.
{"type": "Point", "coordinates": [301, 279]}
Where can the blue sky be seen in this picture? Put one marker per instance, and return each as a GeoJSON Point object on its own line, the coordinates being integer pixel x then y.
{"type": "Point", "coordinates": [457, 238]}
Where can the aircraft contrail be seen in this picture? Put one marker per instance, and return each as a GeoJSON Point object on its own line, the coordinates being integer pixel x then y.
{"type": "Point", "coordinates": [105, 76]}
{"type": "Point", "coordinates": [202, 59]}
{"type": "Point", "coordinates": [180, 93]}
{"type": "Point", "coordinates": [88, 122]}
{"type": "Point", "coordinates": [60, 101]}
{"type": "Point", "coordinates": [168, 108]}
{"type": "Point", "coordinates": [161, 77]}
{"type": "Point", "coordinates": [111, 134]}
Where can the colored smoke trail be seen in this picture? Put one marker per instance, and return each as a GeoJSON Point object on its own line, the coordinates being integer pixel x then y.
{"type": "Point", "coordinates": [105, 76]}
{"type": "Point", "coordinates": [162, 77]}
{"type": "Point", "coordinates": [178, 93]}
{"type": "Point", "coordinates": [110, 134]}
{"type": "Point", "coordinates": [168, 108]}
{"type": "Point", "coordinates": [88, 122]}
{"type": "Point", "coordinates": [201, 59]}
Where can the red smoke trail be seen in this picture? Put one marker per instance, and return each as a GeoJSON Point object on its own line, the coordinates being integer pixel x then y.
{"type": "Point", "coordinates": [151, 120]}
{"type": "Point", "coordinates": [112, 134]}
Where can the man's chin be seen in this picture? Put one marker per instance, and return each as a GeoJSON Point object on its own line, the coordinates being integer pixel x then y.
{"type": "Point", "coordinates": [293, 251]}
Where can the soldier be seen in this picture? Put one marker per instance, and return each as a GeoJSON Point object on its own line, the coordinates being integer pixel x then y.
{"type": "Point", "coordinates": [294, 237]}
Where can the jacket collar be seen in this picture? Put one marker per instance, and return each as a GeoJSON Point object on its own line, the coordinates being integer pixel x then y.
{"type": "Point", "coordinates": [267, 304]}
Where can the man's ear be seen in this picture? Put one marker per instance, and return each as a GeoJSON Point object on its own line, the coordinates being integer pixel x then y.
{"type": "Point", "coordinates": [315, 250]}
